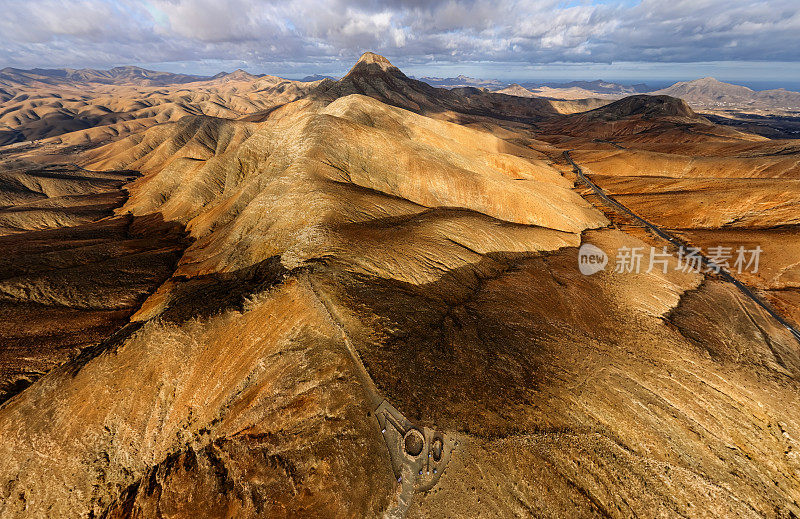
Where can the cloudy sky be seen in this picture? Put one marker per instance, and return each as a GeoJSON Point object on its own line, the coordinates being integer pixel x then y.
{"type": "Point", "coordinates": [507, 39]}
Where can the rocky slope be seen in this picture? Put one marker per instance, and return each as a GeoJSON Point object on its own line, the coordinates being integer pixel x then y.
{"type": "Point", "coordinates": [115, 76]}
{"type": "Point", "coordinates": [91, 107]}
{"type": "Point", "coordinates": [73, 272]}
{"type": "Point", "coordinates": [376, 77]}
{"type": "Point", "coordinates": [347, 245]}
{"type": "Point", "coordinates": [646, 118]}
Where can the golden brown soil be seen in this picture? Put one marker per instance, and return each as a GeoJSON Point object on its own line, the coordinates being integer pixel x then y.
{"type": "Point", "coordinates": [446, 255]}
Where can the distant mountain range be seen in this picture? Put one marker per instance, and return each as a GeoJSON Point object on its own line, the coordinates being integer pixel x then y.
{"type": "Point", "coordinates": [237, 75]}
{"type": "Point", "coordinates": [599, 86]}
{"type": "Point", "coordinates": [317, 77]}
{"type": "Point", "coordinates": [128, 75]}
{"type": "Point", "coordinates": [711, 93]}
{"type": "Point", "coordinates": [114, 76]}
{"type": "Point", "coordinates": [462, 81]}
{"type": "Point", "coordinates": [574, 90]}
{"type": "Point", "coordinates": [705, 93]}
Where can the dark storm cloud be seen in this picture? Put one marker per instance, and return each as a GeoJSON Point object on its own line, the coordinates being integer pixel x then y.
{"type": "Point", "coordinates": [104, 32]}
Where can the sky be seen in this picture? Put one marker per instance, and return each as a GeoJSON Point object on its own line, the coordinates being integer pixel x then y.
{"type": "Point", "coordinates": [659, 40]}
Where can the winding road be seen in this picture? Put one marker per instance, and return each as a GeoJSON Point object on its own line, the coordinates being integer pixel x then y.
{"type": "Point", "coordinates": [724, 274]}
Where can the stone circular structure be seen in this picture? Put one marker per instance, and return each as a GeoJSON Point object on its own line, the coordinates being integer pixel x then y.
{"type": "Point", "coordinates": [413, 442]}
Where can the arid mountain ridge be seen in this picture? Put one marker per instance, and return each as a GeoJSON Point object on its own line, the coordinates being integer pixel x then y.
{"type": "Point", "coordinates": [704, 92]}
{"type": "Point", "coordinates": [307, 247]}
{"type": "Point", "coordinates": [46, 103]}
{"type": "Point", "coordinates": [709, 92]}
{"type": "Point", "coordinates": [114, 76]}
{"type": "Point", "coordinates": [74, 109]}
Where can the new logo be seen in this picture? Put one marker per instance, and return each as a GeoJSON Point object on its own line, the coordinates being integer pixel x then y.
{"type": "Point", "coordinates": [591, 259]}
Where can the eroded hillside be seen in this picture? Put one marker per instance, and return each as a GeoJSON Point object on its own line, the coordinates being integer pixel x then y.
{"type": "Point", "coordinates": [91, 110]}
{"type": "Point", "coordinates": [349, 252]}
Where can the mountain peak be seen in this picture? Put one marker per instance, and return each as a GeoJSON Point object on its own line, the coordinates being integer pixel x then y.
{"type": "Point", "coordinates": [708, 91]}
{"type": "Point", "coordinates": [369, 58]}
{"type": "Point", "coordinates": [240, 74]}
{"type": "Point", "coordinates": [707, 80]}
{"type": "Point", "coordinates": [515, 89]}
{"type": "Point", "coordinates": [647, 106]}
{"type": "Point", "coordinates": [369, 62]}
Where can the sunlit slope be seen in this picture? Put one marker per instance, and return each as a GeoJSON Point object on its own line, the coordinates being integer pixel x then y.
{"type": "Point", "coordinates": [644, 119]}
{"type": "Point", "coordinates": [95, 112]}
{"type": "Point", "coordinates": [446, 256]}
{"type": "Point", "coordinates": [288, 186]}
{"type": "Point", "coordinates": [713, 189]}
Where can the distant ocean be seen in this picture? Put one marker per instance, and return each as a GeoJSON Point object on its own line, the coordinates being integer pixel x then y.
{"type": "Point", "coordinates": [769, 85]}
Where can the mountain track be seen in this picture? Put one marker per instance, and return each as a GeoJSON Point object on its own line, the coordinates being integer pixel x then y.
{"type": "Point", "coordinates": [724, 274]}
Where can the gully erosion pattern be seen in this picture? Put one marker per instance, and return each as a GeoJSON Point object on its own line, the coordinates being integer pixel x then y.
{"type": "Point", "coordinates": [724, 274]}
{"type": "Point", "coordinates": [419, 454]}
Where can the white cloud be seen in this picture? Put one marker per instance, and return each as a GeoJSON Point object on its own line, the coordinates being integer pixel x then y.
{"type": "Point", "coordinates": [107, 32]}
